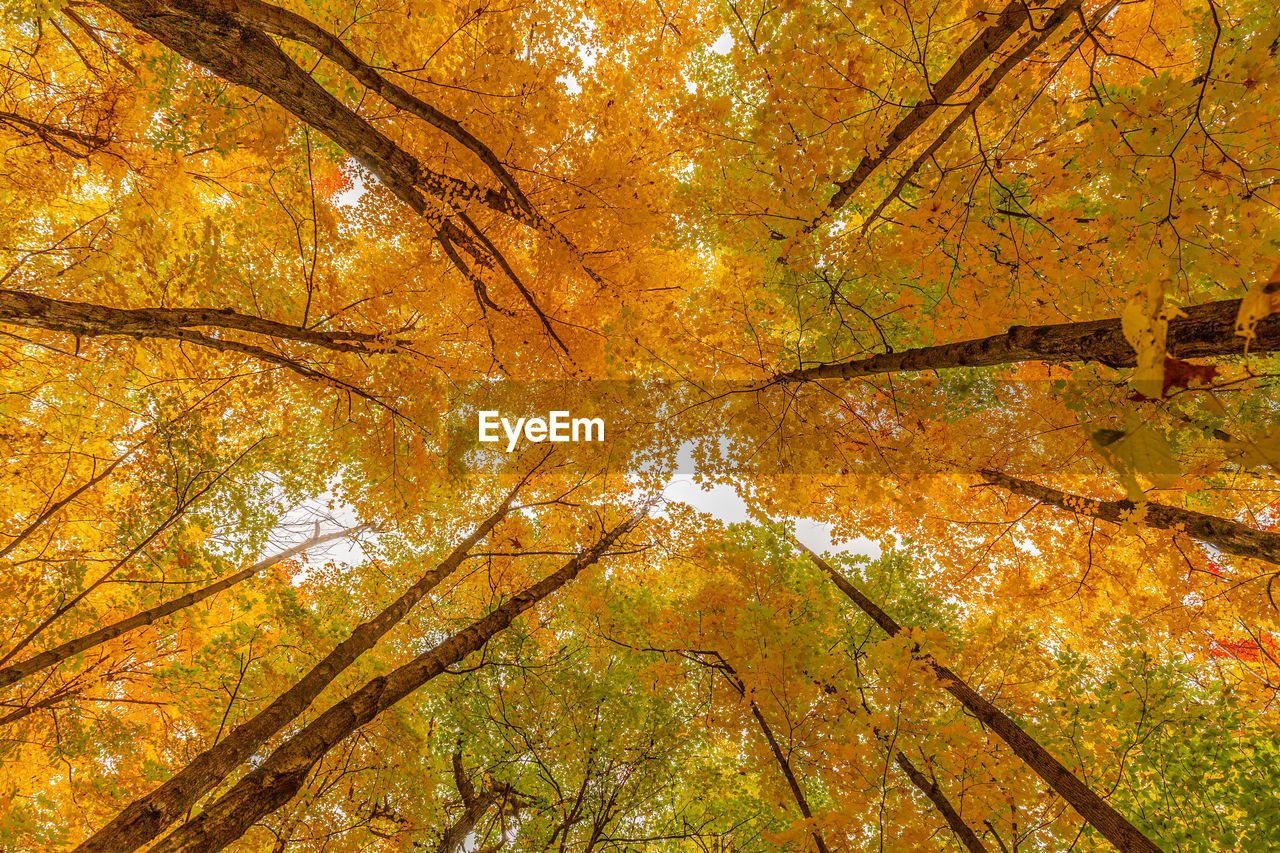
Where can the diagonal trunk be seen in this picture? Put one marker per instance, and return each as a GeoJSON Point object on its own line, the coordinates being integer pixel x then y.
{"type": "Point", "coordinates": [1206, 331]}
{"type": "Point", "coordinates": [779, 757]}
{"type": "Point", "coordinates": [87, 319]}
{"type": "Point", "coordinates": [279, 778]}
{"type": "Point", "coordinates": [943, 91]}
{"type": "Point", "coordinates": [985, 89]}
{"type": "Point", "coordinates": [290, 25]}
{"type": "Point", "coordinates": [228, 39]}
{"type": "Point", "coordinates": [1226, 535]}
{"type": "Point", "coordinates": [930, 789]}
{"type": "Point", "coordinates": [1111, 824]}
{"type": "Point", "coordinates": [147, 817]}
{"type": "Point", "coordinates": [18, 671]}
{"type": "Point", "coordinates": [244, 55]}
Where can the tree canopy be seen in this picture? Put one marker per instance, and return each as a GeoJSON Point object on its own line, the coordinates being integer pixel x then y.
{"type": "Point", "coordinates": [934, 347]}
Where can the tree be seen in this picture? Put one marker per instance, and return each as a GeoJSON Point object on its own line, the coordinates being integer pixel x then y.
{"type": "Point", "coordinates": [986, 294]}
{"type": "Point", "coordinates": [279, 778]}
{"type": "Point", "coordinates": [1093, 808]}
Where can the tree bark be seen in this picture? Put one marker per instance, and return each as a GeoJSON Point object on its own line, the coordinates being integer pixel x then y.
{"type": "Point", "coordinates": [931, 790]}
{"type": "Point", "coordinates": [1226, 535]}
{"type": "Point", "coordinates": [44, 660]}
{"type": "Point", "coordinates": [86, 319]}
{"type": "Point", "coordinates": [985, 89]}
{"type": "Point", "coordinates": [779, 757]}
{"type": "Point", "coordinates": [290, 25]}
{"type": "Point", "coordinates": [211, 36]}
{"type": "Point", "coordinates": [941, 92]}
{"type": "Point", "coordinates": [279, 778]}
{"type": "Point", "coordinates": [225, 37]}
{"type": "Point", "coordinates": [1111, 824]}
{"type": "Point", "coordinates": [89, 320]}
{"type": "Point", "coordinates": [147, 817]}
{"type": "Point", "coordinates": [474, 806]}
{"type": "Point", "coordinates": [1207, 330]}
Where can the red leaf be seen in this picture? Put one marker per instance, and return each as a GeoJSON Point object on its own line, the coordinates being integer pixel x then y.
{"type": "Point", "coordinates": [1182, 374]}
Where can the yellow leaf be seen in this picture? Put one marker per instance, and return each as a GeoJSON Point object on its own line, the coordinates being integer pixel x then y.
{"type": "Point", "coordinates": [1258, 304]}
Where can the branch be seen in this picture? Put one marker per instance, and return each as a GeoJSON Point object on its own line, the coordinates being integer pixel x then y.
{"type": "Point", "coordinates": [86, 319]}
{"type": "Point", "coordinates": [44, 660]}
{"type": "Point", "coordinates": [183, 505]}
{"type": "Point", "coordinates": [290, 25]}
{"type": "Point", "coordinates": [223, 36]}
{"type": "Point", "coordinates": [89, 320]}
{"type": "Point", "coordinates": [978, 51]}
{"type": "Point", "coordinates": [1111, 824]}
{"type": "Point", "coordinates": [1224, 534]}
{"type": "Point", "coordinates": [930, 789]}
{"type": "Point", "coordinates": [1206, 330]}
{"type": "Point", "coordinates": [282, 774]}
{"type": "Point", "coordinates": [988, 86]}
{"type": "Point", "coordinates": [148, 816]}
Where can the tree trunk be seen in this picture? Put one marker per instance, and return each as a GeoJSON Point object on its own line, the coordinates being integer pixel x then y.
{"type": "Point", "coordinates": [87, 319]}
{"type": "Point", "coordinates": [227, 38]}
{"type": "Point", "coordinates": [1207, 330]}
{"type": "Point", "coordinates": [244, 55]}
{"type": "Point", "coordinates": [1111, 824]}
{"type": "Point", "coordinates": [1020, 54]}
{"type": "Point", "coordinates": [44, 660]}
{"type": "Point", "coordinates": [784, 765]}
{"type": "Point", "coordinates": [147, 817]}
{"type": "Point", "coordinates": [942, 91]}
{"type": "Point", "coordinates": [474, 806]}
{"type": "Point", "coordinates": [1226, 535]}
{"type": "Point", "coordinates": [279, 778]}
{"type": "Point", "coordinates": [290, 25]}
{"type": "Point", "coordinates": [931, 790]}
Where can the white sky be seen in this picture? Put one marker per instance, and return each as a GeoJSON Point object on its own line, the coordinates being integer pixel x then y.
{"type": "Point", "coordinates": [721, 501]}
{"type": "Point", "coordinates": [724, 503]}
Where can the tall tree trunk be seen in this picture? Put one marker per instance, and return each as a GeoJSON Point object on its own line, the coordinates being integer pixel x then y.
{"type": "Point", "coordinates": [88, 319]}
{"type": "Point", "coordinates": [474, 806]}
{"type": "Point", "coordinates": [1226, 535]}
{"type": "Point", "coordinates": [930, 789]}
{"type": "Point", "coordinates": [927, 786]}
{"type": "Point", "coordinates": [279, 778]}
{"type": "Point", "coordinates": [244, 55]}
{"type": "Point", "coordinates": [1207, 330]}
{"type": "Point", "coordinates": [1111, 824]}
{"type": "Point", "coordinates": [1019, 55]}
{"type": "Point", "coordinates": [44, 660]}
{"type": "Point", "coordinates": [228, 39]}
{"type": "Point", "coordinates": [290, 25]}
{"type": "Point", "coordinates": [779, 757]}
{"type": "Point", "coordinates": [1010, 20]}
{"type": "Point", "coordinates": [147, 817]}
